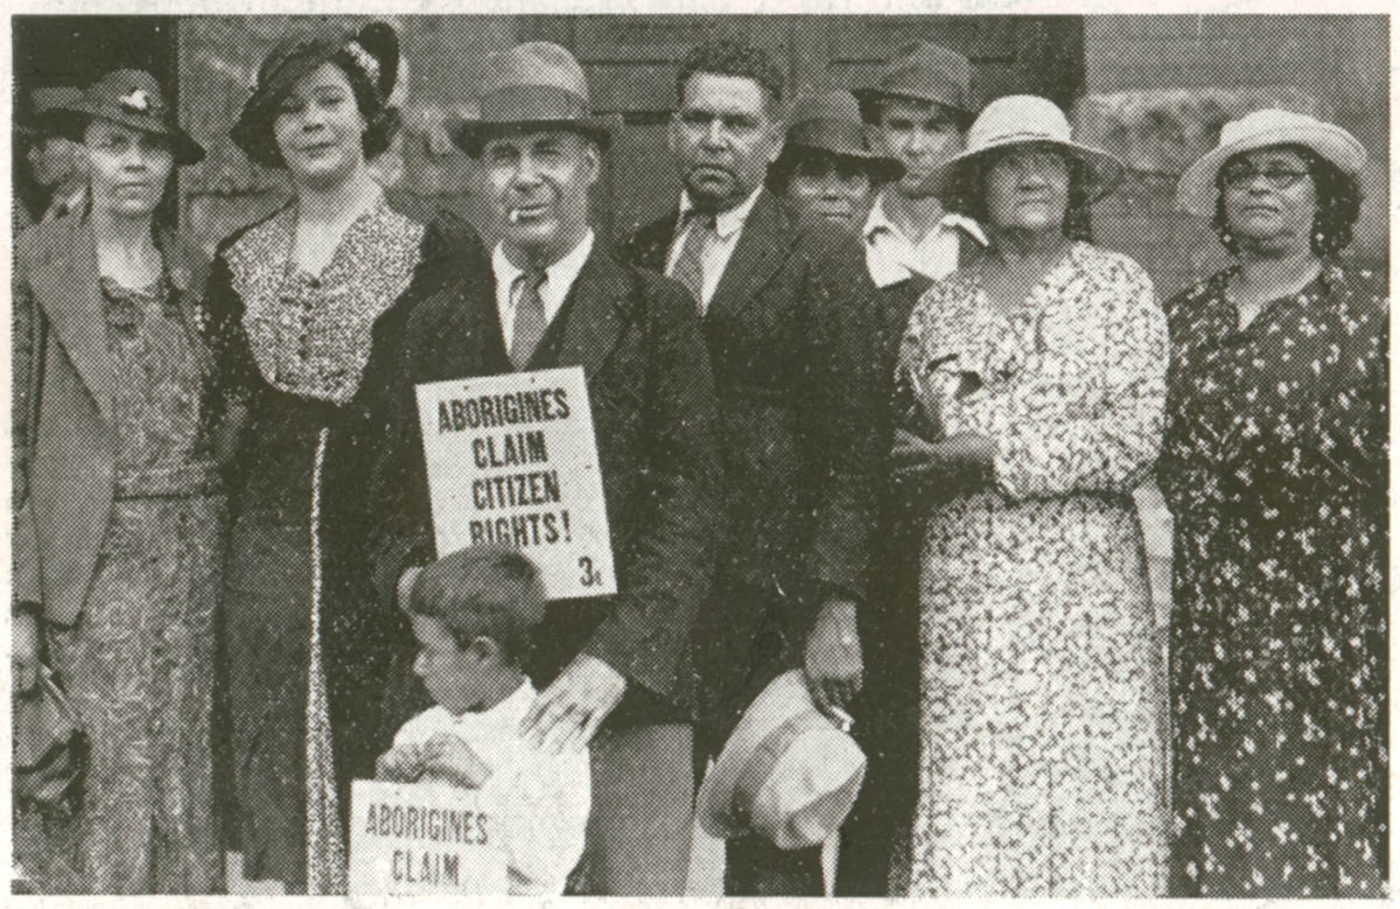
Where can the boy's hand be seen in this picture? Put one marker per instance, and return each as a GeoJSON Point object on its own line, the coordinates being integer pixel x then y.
{"type": "Point", "coordinates": [401, 764]}
{"type": "Point", "coordinates": [449, 758]}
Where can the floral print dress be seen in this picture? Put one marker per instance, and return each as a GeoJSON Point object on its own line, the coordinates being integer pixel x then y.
{"type": "Point", "coordinates": [1042, 767]}
{"type": "Point", "coordinates": [1275, 468]}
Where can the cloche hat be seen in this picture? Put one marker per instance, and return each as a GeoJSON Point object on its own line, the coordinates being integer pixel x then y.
{"type": "Point", "coordinates": [536, 84]}
{"type": "Point", "coordinates": [786, 773]}
{"type": "Point", "coordinates": [131, 97]}
{"type": "Point", "coordinates": [925, 72]}
{"type": "Point", "coordinates": [831, 123]}
{"type": "Point", "coordinates": [1031, 119]}
{"type": "Point", "coordinates": [1197, 193]}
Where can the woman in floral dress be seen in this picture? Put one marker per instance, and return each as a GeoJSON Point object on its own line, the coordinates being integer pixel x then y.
{"type": "Point", "coordinates": [294, 302]}
{"type": "Point", "coordinates": [1275, 469]}
{"type": "Point", "coordinates": [119, 507]}
{"type": "Point", "coordinates": [1040, 370]}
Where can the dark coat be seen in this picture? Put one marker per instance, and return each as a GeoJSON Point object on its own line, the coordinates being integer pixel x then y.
{"type": "Point", "coordinates": [793, 344]}
{"type": "Point", "coordinates": [63, 496]}
{"type": "Point", "coordinates": [638, 340]}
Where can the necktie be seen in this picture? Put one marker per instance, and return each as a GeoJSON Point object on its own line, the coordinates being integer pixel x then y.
{"type": "Point", "coordinates": [690, 266]}
{"type": "Point", "coordinates": [530, 323]}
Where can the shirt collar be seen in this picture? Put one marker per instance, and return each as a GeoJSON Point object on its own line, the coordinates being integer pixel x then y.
{"type": "Point", "coordinates": [727, 223]}
{"type": "Point", "coordinates": [508, 712]}
{"type": "Point", "coordinates": [559, 276]}
{"type": "Point", "coordinates": [877, 222]}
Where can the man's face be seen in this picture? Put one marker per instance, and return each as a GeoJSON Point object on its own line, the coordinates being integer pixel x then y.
{"type": "Point", "coordinates": [54, 159]}
{"type": "Point", "coordinates": [539, 185]}
{"type": "Point", "coordinates": [724, 138]}
{"type": "Point", "coordinates": [921, 135]}
{"type": "Point", "coordinates": [831, 188]}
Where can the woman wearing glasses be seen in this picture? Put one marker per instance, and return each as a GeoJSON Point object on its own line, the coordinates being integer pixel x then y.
{"type": "Point", "coordinates": [1275, 469]}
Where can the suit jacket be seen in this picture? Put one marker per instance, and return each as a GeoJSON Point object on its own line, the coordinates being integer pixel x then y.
{"type": "Point", "coordinates": [793, 343]}
{"type": "Point", "coordinates": [638, 340]}
{"type": "Point", "coordinates": [62, 406]}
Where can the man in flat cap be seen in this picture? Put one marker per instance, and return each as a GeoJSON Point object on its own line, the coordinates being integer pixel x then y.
{"type": "Point", "coordinates": [613, 671]}
{"type": "Point", "coordinates": [787, 310]}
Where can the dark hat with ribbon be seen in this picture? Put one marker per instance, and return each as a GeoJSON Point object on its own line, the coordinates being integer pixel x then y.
{"type": "Point", "coordinates": [130, 97]}
{"type": "Point", "coordinates": [537, 84]}
{"type": "Point", "coordinates": [830, 123]}
{"type": "Point", "coordinates": [924, 72]}
{"type": "Point", "coordinates": [373, 49]}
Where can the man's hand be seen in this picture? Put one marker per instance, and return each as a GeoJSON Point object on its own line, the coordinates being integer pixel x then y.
{"type": "Point", "coordinates": [954, 459]}
{"type": "Point", "coordinates": [400, 764]}
{"type": "Point", "coordinates": [834, 667]}
{"type": "Point", "coordinates": [568, 713]}
{"type": "Point", "coordinates": [447, 757]}
{"type": "Point", "coordinates": [24, 653]}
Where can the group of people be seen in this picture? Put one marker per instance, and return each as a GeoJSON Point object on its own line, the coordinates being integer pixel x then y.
{"type": "Point", "coordinates": [869, 404]}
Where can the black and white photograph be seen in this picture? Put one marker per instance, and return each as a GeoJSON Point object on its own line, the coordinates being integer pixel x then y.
{"type": "Point", "coordinates": [661, 453]}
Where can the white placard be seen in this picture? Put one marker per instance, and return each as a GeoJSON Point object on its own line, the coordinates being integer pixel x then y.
{"type": "Point", "coordinates": [513, 459]}
{"type": "Point", "coordinates": [408, 839]}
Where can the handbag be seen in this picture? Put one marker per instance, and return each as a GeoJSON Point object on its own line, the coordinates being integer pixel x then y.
{"type": "Point", "coordinates": [50, 749]}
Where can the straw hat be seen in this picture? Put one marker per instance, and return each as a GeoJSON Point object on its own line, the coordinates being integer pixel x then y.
{"type": "Point", "coordinates": [130, 97]}
{"type": "Point", "coordinates": [786, 773]}
{"type": "Point", "coordinates": [536, 84]}
{"type": "Point", "coordinates": [924, 72]}
{"type": "Point", "coordinates": [831, 123]}
{"type": "Point", "coordinates": [1197, 192]}
{"type": "Point", "coordinates": [1030, 119]}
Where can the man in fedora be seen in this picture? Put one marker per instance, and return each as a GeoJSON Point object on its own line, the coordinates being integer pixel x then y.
{"type": "Point", "coordinates": [55, 162]}
{"type": "Point", "coordinates": [612, 671]}
{"type": "Point", "coordinates": [827, 169]}
{"type": "Point", "coordinates": [786, 310]}
{"type": "Point", "coordinates": [918, 109]}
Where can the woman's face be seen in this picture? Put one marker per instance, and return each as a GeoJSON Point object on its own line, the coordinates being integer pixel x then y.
{"type": "Point", "coordinates": [832, 189]}
{"type": "Point", "coordinates": [1270, 198]}
{"type": "Point", "coordinates": [128, 168]}
{"type": "Point", "coordinates": [1027, 189]}
{"type": "Point", "coordinates": [319, 129]}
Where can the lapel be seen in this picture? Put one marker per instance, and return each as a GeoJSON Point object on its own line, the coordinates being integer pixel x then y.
{"type": "Point", "coordinates": [66, 287]}
{"type": "Point", "coordinates": [763, 245]}
{"type": "Point", "coordinates": [473, 339]}
{"type": "Point", "coordinates": [187, 271]}
{"type": "Point", "coordinates": [596, 308]}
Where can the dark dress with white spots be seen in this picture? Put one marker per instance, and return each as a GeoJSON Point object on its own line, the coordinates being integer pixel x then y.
{"type": "Point", "coordinates": [1275, 469]}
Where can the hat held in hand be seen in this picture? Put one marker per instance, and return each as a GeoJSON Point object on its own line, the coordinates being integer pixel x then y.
{"type": "Point", "coordinates": [787, 772]}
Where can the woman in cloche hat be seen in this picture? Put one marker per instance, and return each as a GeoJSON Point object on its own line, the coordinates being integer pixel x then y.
{"type": "Point", "coordinates": [293, 300]}
{"type": "Point", "coordinates": [118, 512]}
{"type": "Point", "coordinates": [1037, 374]}
{"type": "Point", "coordinates": [1275, 469]}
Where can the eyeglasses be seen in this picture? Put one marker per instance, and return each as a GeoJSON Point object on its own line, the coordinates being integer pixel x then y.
{"type": "Point", "coordinates": [1241, 176]}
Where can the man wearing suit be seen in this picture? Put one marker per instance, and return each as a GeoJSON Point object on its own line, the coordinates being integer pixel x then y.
{"type": "Point", "coordinates": [613, 671]}
{"type": "Point", "coordinates": [787, 311]}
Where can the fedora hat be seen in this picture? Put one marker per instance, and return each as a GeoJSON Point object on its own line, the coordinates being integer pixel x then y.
{"type": "Point", "coordinates": [1197, 192]}
{"type": "Point", "coordinates": [786, 773]}
{"type": "Point", "coordinates": [130, 97]}
{"type": "Point", "coordinates": [924, 72]}
{"type": "Point", "coordinates": [831, 123]}
{"type": "Point", "coordinates": [1031, 119]}
{"type": "Point", "coordinates": [374, 48]}
{"type": "Point", "coordinates": [40, 121]}
{"type": "Point", "coordinates": [536, 84]}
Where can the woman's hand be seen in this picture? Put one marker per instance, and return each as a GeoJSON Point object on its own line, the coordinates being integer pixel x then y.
{"type": "Point", "coordinates": [24, 653]}
{"type": "Point", "coordinates": [834, 666]}
{"type": "Point", "coordinates": [447, 757]}
{"type": "Point", "coordinates": [400, 764]}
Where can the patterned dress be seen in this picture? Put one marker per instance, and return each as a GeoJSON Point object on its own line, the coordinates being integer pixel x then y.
{"type": "Point", "coordinates": [291, 348]}
{"type": "Point", "coordinates": [1042, 766]}
{"type": "Point", "coordinates": [139, 666]}
{"type": "Point", "coordinates": [1275, 467]}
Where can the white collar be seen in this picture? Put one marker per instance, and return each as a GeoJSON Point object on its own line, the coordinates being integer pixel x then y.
{"type": "Point", "coordinates": [727, 223]}
{"type": "Point", "coordinates": [559, 276]}
{"type": "Point", "coordinates": [877, 222]}
{"type": "Point", "coordinates": [508, 712]}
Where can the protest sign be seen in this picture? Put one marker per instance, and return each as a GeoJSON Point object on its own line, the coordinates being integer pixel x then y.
{"type": "Point", "coordinates": [422, 838]}
{"type": "Point", "coordinates": [513, 459]}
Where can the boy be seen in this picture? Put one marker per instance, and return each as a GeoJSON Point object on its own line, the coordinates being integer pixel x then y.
{"type": "Point", "coordinates": [474, 613]}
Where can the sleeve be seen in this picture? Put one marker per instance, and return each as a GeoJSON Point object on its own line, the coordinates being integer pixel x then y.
{"type": "Point", "coordinates": [669, 554]}
{"type": "Point", "coordinates": [25, 360]}
{"type": "Point", "coordinates": [1175, 465]}
{"type": "Point", "coordinates": [547, 806]}
{"type": "Point", "coordinates": [843, 414]}
{"type": "Point", "coordinates": [1088, 417]}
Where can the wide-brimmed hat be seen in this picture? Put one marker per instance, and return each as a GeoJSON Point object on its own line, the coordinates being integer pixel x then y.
{"type": "Point", "coordinates": [831, 123]}
{"type": "Point", "coordinates": [786, 773]}
{"type": "Point", "coordinates": [1033, 120]}
{"type": "Point", "coordinates": [533, 85]}
{"type": "Point", "coordinates": [130, 97]}
{"type": "Point", "coordinates": [924, 72]}
{"type": "Point", "coordinates": [1197, 192]}
{"type": "Point", "coordinates": [374, 48]}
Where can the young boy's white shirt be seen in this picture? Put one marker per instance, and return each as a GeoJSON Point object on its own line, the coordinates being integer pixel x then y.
{"type": "Point", "coordinates": [543, 798]}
